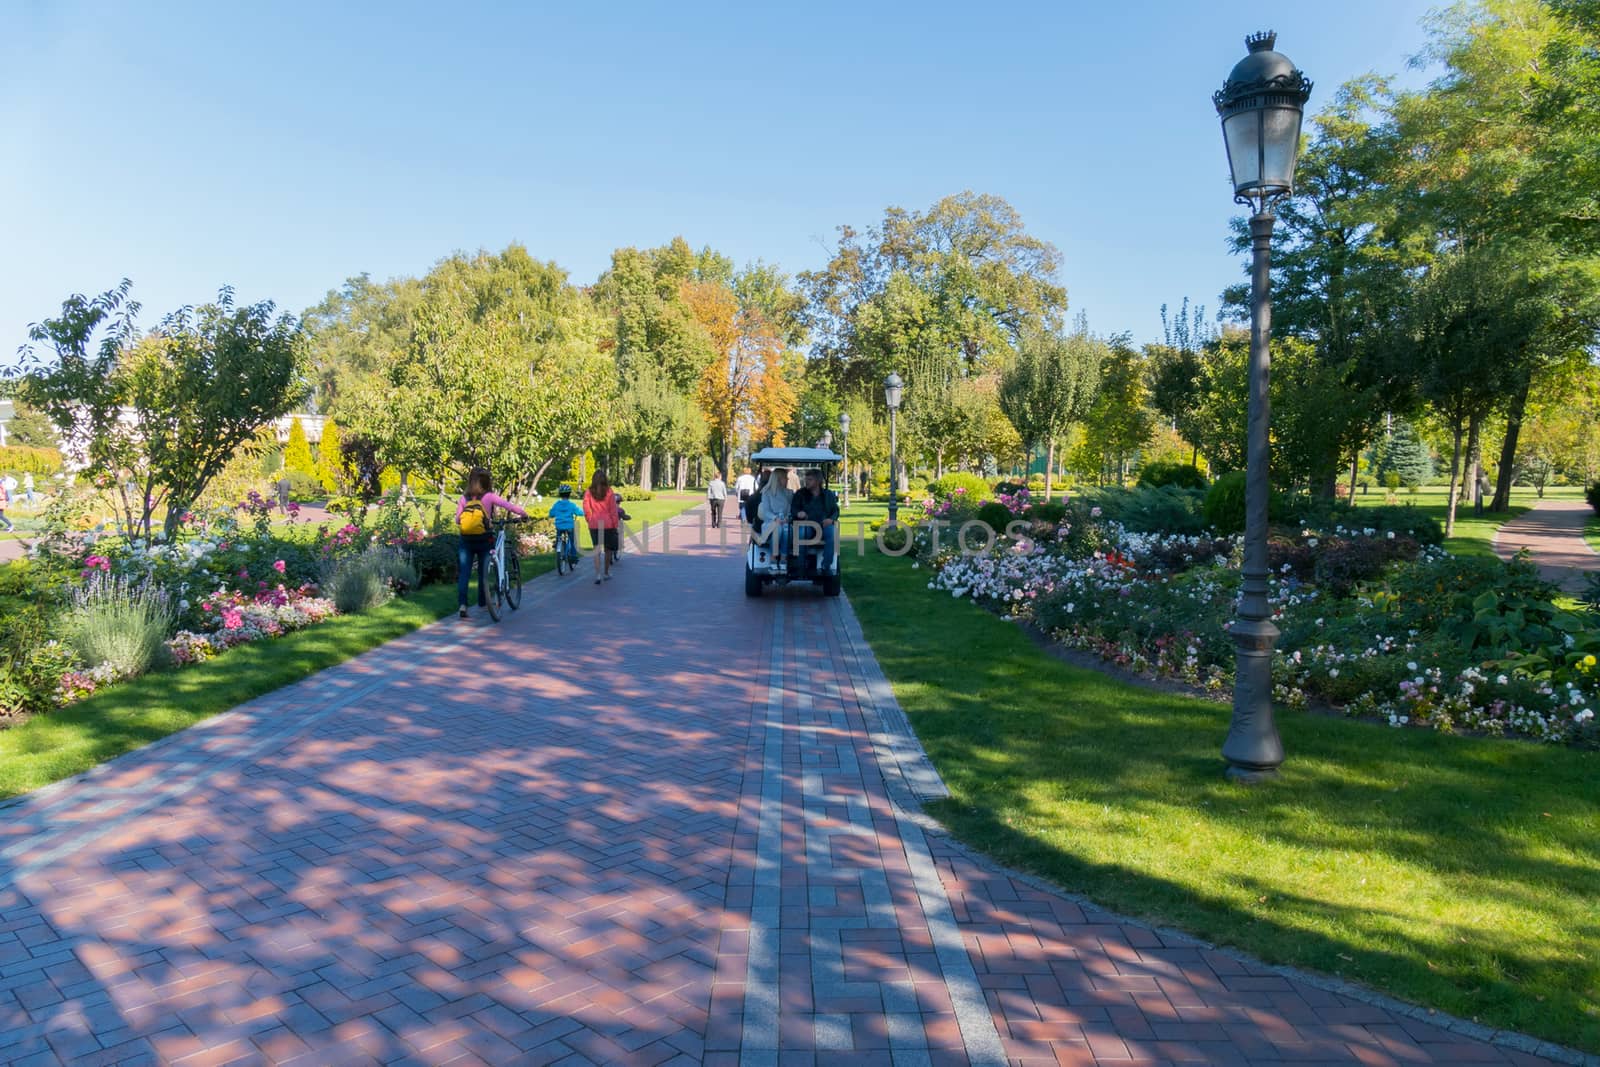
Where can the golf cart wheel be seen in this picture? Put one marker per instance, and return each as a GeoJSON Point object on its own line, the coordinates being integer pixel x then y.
{"type": "Point", "coordinates": [752, 583]}
{"type": "Point", "coordinates": [830, 585]}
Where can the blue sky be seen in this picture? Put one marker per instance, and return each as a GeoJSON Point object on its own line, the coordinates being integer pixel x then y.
{"type": "Point", "coordinates": [281, 148]}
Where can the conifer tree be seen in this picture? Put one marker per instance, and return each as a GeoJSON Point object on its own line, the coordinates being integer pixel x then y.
{"type": "Point", "coordinates": [297, 453]}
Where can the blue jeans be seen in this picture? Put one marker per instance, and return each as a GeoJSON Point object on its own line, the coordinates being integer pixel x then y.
{"type": "Point", "coordinates": [567, 541]}
{"type": "Point", "coordinates": [787, 538]}
{"type": "Point", "coordinates": [473, 547]}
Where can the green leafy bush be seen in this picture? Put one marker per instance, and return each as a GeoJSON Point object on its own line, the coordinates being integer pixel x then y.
{"type": "Point", "coordinates": [435, 558]}
{"type": "Point", "coordinates": [1169, 509]}
{"type": "Point", "coordinates": [971, 488]}
{"type": "Point", "coordinates": [304, 488]}
{"type": "Point", "coordinates": [633, 492]}
{"type": "Point", "coordinates": [1592, 495]}
{"type": "Point", "coordinates": [1008, 487]}
{"type": "Point", "coordinates": [1182, 475]}
{"type": "Point", "coordinates": [1224, 504]}
{"type": "Point", "coordinates": [995, 515]}
{"type": "Point", "coordinates": [368, 580]}
{"type": "Point", "coordinates": [120, 624]}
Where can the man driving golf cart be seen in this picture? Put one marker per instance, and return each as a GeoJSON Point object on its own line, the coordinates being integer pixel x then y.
{"type": "Point", "coordinates": [795, 537]}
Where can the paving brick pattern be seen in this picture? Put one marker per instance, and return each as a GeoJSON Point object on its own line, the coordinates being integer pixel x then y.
{"type": "Point", "coordinates": [1552, 533]}
{"type": "Point", "coordinates": [645, 822]}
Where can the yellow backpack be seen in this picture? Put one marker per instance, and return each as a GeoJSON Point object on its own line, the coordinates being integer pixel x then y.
{"type": "Point", "coordinates": [474, 521]}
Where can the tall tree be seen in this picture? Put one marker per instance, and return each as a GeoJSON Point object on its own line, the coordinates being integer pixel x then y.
{"type": "Point", "coordinates": [1051, 385]}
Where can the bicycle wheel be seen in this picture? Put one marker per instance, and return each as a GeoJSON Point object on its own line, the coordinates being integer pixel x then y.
{"type": "Point", "coordinates": [563, 564]}
{"type": "Point", "coordinates": [492, 577]}
{"type": "Point", "coordinates": [514, 581]}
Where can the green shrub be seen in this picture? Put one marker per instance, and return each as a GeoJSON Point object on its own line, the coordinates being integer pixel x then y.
{"type": "Point", "coordinates": [304, 488]}
{"type": "Point", "coordinates": [435, 558]}
{"type": "Point", "coordinates": [1182, 475]}
{"type": "Point", "coordinates": [995, 514]}
{"type": "Point", "coordinates": [1053, 512]}
{"type": "Point", "coordinates": [1224, 504]}
{"type": "Point", "coordinates": [971, 488]}
{"type": "Point", "coordinates": [1168, 509]}
{"type": "Point", "coordinates": [633, 492]}
{"type": "Point", "coordinates": [119, 624]}
{"type": "Point", "coordinates": [368, 580]}
{"type": "Point", "coordinates": [1592, 495]}
{"type": "Point", "coordinates": [1391, 480]}
{"type": "Point", "coordinates": [1007, 488]}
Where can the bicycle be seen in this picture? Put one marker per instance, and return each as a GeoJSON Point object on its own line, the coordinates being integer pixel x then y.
{"type": "Point", "coordinates": [566, 551]}
{"type": "Point", "coordinates": [504, 572]}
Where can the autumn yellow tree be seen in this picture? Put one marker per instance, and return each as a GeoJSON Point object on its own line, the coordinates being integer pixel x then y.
{"type": "Point", "coordinates": [773, 399]}
{"type": "Point", "coordinates": [723, 392]}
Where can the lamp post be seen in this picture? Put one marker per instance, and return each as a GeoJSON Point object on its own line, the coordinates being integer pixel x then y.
{"type": "Point", "coordinates": [1261, 105]}
{"type": "Point", "coordinates": [893, 389]}
{"type": "Point", "coordinates": [844, 444]}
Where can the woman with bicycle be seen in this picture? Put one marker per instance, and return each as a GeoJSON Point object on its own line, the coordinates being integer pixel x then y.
{"type": "Point", "coordinates": [475, 521]}
{"type": "Point", "coordinates": [604, 516]}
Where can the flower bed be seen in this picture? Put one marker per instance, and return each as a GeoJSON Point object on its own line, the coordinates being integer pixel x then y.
{"type": "Point", "coordinates": [1373, 620]}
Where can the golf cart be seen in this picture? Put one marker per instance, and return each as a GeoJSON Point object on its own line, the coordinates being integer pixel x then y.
{"type": "Point", "coordinates": [764, 563]}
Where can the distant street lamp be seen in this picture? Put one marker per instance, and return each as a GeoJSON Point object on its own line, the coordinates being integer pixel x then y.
{"type": "Point", "coordinates": [1261, 105]}
{"type": "Point", "coordinates": [893, 389]}
{"type": "Point", "coordinates": [844, 442]}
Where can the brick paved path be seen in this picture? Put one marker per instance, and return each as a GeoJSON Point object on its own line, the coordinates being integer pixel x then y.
{"type": "Point", "coordinates": [644, 822]}
{"type": "Point", "coordinates": [1553, 535]}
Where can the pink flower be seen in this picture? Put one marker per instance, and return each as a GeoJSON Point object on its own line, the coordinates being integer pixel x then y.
{"type": "Point", "coordinates": [231, 619]}
{"type": "Point", "coordinates": [223, 546]}
{"type": "Point", "coordinates": [279, 566]}
{"type": "Point", "coordinates": [206, 606]}
{"type": "Point", "coordinates": [244, 572]}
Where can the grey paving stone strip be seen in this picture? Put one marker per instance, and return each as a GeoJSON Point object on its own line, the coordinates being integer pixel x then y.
{"type": "Point", "coordinates": [761, 977]}
{"type": "Point", "coordinates": [39, 807]}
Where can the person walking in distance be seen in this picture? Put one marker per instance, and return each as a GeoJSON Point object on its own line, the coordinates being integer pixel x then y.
{"type": "Point", "coordinates": [5, 501]}
{"type": "Point", "coordinates": [603, 513]}
{"type": "Point", "coordinates": [716, 494]}
{"type": "Point", "coordinates": [743, 487]}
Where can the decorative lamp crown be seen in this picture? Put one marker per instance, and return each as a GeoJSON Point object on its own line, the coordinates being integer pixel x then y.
{"type": "Point", "coordinates": [1261, 105]}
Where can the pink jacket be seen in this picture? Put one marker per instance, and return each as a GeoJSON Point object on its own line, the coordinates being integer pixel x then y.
{"type": "Point", "coordinates": [491, 501]}
{"type": "Point", "coordinates": [602, 514]}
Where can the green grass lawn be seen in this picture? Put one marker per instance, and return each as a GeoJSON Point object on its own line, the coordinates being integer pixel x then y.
{"type": "Point", "coordinates": [1591, 532]}
{"type": "Point", "coordinates": [1454, 872]}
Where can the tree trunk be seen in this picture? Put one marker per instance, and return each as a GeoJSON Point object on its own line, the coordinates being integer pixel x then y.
{"type": "Point", "coordinates": [644, 472]}
{"type": "Point", "coordinates": [938, 464]}
{"type": "Point", "coordinates": [1508, 448]}
{"type": "Point", "coordinates": [683, 473]}
{"type": "Point", "coordinates": [1355, 469]}
{"type": "Point", "coordinates": [1455, 469]}
{"type": "Point", "coordinates": [1049, 466]}
{"type": "Point", "coordinates": [1469, 484]}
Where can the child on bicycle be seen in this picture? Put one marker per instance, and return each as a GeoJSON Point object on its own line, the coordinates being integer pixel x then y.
{"type": "Point", "coordinates": [475, 519]}
{"type": "Point", "coordinates": [564, 514]}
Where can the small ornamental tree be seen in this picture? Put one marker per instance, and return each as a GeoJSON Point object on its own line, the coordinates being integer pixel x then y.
{"type": "Point", "coordinates": [297, 453]}
{"type": "Point", "coordinates": [1406, 454]}
{"type": "Point", "coordinates": [158, 417]}
{"type": "Point", "coordinates": [330, 458]}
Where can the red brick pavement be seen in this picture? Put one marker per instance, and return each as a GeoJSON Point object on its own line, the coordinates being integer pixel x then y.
{"type": "Point", "coordinates": [635, 823]}
{"type": "Point", "coordinates": [1552, 533]}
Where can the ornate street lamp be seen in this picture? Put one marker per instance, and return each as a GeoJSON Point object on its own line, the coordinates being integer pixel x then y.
{"type": "Point", "coordinates": [844, 440]}
{"type": "Point", "coordinates": [893, 389]}
{"type": "Point", "coordinates": [1261, 105]}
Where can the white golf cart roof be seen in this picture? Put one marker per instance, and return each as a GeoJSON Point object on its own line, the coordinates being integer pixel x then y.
{"type": "Point", "coordinates": [795, 457]}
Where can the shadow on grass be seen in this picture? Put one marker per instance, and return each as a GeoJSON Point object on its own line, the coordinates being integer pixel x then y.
{"type": "Point", "coordinates": [1460, 873]}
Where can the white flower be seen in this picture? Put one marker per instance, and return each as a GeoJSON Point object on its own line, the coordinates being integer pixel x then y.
{"type": "Point", "coordinates": [1411, 666]}
{"type": "Point", "coordinates": [1501, 679]}
{"type": "Point", "coordinates": [1333, 672]}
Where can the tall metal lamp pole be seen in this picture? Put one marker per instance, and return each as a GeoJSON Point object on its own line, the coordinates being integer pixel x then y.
{"type": "Point", "coordinates": [1261, 106]}
{"type": "Point", "coordinates": [844, 445]}
{"type": "Point", "coordinates": [893, 389]}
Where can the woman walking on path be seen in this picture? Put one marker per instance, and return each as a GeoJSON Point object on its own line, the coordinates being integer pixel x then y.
{"type": "Point", "coordinates": [604, 515]}
{"type": "Point", "coordinates": [716, 493]}
{"type": "Point", "coordinates": [474, 518]}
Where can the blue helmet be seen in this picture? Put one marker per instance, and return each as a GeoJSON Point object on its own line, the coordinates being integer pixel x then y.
{"type": "Point", "coordinates": [565, 490]}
